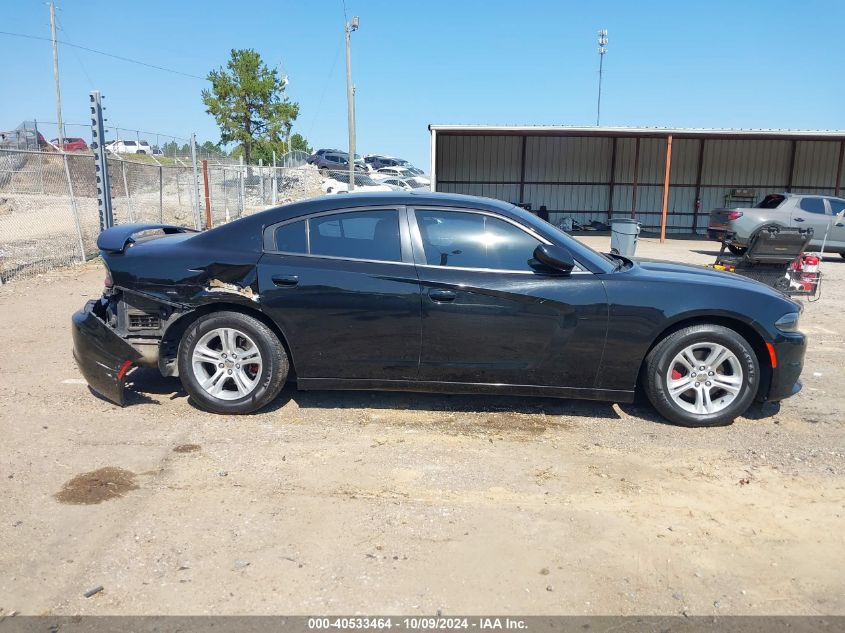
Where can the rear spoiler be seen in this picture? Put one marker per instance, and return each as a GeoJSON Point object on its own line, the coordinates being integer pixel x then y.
{"type": "Point", "coordinates": [117, 238]}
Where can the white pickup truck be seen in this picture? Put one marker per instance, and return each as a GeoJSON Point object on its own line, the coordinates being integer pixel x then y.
{"type": "Point", "coordinates": [821, 213]}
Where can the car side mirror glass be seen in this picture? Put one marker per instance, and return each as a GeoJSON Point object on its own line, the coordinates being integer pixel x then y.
{"type": "Point", "coordinates": [555, 257]}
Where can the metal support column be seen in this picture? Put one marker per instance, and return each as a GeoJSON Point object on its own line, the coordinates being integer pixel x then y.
{"type": "Point", "coordinates": [208, 223]}
{"type": "Point", "coordinates": [160, 194]}
{"type": "Point", "coordinates": [75, 211]}
{"type": "Point", "coordinates": [668, 170]}
{"type": "Point", "coordinates": [101, 166]}
{"type": "Point", "coordinates": [697, 202]}
{"type": "Point", "coordinates": [241, 174]}
{"type": "Point", "coordinates": [839, 165]}
{"type": "Point", "coordinates": [612, 182]}
{"type": "Point", "coordinates": [792, 149]}
{"type": "Point", "coordinates": [636, 176]}
{"type": "Point", "coordinates": [197, 215]}
{"type": "Point", "coordinates": [130, 215]}
{"type": "Point", "coordinates": [522, 172]}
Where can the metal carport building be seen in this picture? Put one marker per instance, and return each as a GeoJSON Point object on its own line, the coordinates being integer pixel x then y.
{"type": "Point", "coordinates": [666, 178]}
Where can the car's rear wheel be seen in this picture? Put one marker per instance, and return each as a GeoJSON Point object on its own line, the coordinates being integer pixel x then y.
{"type": "Point", "coordinates": [737, 250]}
{"type": "Point", "coordinates": [701, 375]}
{"type": "Point", "coordinates": [230, 362]}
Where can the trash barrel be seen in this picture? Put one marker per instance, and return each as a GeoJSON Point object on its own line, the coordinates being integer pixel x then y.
{"type": "Point", "coordinates": [623, 236]}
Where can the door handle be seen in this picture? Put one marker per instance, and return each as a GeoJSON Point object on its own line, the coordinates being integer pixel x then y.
{"type": "Point", "coordinates": [799, 219]}
{"type": "Point", "coordinates": [442, 296]}
{"type": "Point", "coordinates": [286, 281]}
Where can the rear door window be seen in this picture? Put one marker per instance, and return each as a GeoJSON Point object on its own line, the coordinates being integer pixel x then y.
{"type": "Point", "coordinates": [290, 238]}
{"type": "Point", "coordinates": [812, 205]}
{"type": "Point", "coordinates": [357, 235]}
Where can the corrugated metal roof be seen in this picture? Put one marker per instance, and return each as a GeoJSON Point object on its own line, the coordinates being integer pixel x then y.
{"type": "Point", "coordinates": [574, 130]}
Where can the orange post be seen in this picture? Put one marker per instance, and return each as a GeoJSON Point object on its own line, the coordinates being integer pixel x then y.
{"type": "Point", "coordinates": [666, 188]}
{"type": "Point", "coordinates": [207, 194]}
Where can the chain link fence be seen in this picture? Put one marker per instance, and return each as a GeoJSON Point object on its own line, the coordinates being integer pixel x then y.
{"type": "Point", "coordinates": [48, 205]}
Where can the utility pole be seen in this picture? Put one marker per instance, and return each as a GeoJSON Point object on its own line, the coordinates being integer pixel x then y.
{"type": "Point", "coordinates": [350, 100]}
{"type": "Point", "coordinates": [602, 40]}
{"type": "Point", "coordinates": [61, 134]}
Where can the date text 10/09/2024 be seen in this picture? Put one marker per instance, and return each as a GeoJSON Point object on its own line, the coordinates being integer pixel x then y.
{"type": "Point", "coordinates": [417, 623]}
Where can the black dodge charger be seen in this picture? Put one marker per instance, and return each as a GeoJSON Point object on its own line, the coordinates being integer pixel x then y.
{"type": "Point", "coordinates": [428, 292]}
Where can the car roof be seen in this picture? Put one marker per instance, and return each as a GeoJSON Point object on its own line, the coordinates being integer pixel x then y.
{"type": "Point", "coordinates": [246, 232]}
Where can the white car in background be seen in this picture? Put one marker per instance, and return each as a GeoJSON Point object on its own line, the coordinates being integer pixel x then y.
{"type": "Point", "coordinates": [405, 184]}
{"type": "Point", "coordinates": [129, 147]}
{"type": "Point", "coordinates": [338, 182]}
{"type": "Point", "coordinates": [400, 172]}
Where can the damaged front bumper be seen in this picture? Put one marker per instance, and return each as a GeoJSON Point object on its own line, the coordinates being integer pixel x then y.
{"type": "Point", "coordinates": [102, 356]}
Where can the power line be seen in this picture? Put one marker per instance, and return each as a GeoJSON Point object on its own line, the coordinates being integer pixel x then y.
{"type": "Point", "coordinates": [94, 50]}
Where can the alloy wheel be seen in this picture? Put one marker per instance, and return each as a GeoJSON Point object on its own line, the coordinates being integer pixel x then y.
{"type": "Point", "coordinates": [704, 378]}
{"type": "Point", "coordinates": [227, 363]}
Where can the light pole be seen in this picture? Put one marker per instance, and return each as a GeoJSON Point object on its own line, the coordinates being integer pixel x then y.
{"type": "Point", "coordinates": [350, 99]}
{"type": "Point", "coordinates": [61, 134]}
{"type": "Point", "coordinates": [602, 40]}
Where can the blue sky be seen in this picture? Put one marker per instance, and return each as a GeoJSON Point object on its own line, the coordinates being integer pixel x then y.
{"type": "Point", "coordinates": [679, 64]}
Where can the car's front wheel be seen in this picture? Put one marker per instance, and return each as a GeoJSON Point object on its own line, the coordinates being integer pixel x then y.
{"type": "Point", "coordinates": [230, 362]}
{"type": "Point", "coordinates": [701, 375]}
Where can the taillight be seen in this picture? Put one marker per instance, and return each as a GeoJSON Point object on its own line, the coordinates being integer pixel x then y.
{"type": "Point", "coordinates": [108, 281]}
{"type": "Point", "coordinates": [734, 215]}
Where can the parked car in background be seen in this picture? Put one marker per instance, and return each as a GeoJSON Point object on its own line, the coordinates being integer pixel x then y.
{"type": "Point", "coordinates": [338, 182]}
{"type": "Point", "coordinates": [400, 172]}
{"type": "Point", "coordinates": [404, 184]}
{"type": "Point", "coordinates": [397, 184]}
{"type": "Point", "coordinates": [428, 292]}
{"type": "Point", "coordinates": [419, 184]}
{"type": "Point", "coordinates": [783, 210]}
{"type": "Point", "coordinates": [313, 157]}
{"type": "Point", "coordinates": [377, 161]}
{"type": "Point", "coordinates": [332, 161]}
{"type": "Point", "coordinates": [72, 144]}
{"type": "Point", "coordinates": [129, 147]}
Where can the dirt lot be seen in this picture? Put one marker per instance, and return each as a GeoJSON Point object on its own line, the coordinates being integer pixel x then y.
{"type": "Point", "coordinates": [394, 503]}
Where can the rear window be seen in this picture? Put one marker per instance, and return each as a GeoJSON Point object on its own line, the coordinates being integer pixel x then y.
{"type": "Point", "coordinates": [772, 201]}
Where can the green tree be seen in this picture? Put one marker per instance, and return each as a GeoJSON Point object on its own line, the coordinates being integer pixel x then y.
{"type": "Point", "coordinates": [211, 148]}
{"type": "Point", "coordinates": [298, 142]}
{"type": "Point", "coordinates": [170, 148]}
{"type": "Point", "coordinates": [247, 100]}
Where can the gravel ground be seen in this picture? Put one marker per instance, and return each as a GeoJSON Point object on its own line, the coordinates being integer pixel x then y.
{"type": "Point", "coordinates": [402, 503]}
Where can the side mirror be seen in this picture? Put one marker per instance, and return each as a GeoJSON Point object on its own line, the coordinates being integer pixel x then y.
{"type": "Point", "coordinates": [555, 257]}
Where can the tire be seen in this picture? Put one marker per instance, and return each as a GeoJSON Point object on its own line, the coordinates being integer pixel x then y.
{"type": "Point", "coordinates": [237, 389]}
{"type": "Point", "coordinates": [689, 407]}
{"type": "Point", "coordinates": [737, 250]}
